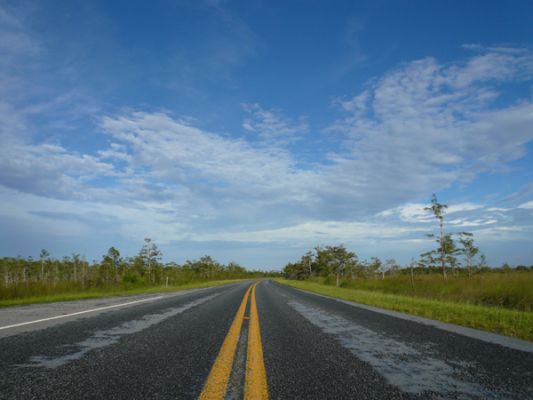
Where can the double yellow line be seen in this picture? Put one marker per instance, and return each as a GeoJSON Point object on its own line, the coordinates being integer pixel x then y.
{"type": "Point", "coordinates": [255, 387]}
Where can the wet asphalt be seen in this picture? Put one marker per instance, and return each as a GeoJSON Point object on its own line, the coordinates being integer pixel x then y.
{"type": "Point", "coordinates": [314, 348]}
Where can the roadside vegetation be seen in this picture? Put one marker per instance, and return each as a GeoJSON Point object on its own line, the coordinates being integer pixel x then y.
{"type": "Point", "coordinates": [46, 279]}
{"type": "Point", "coordinates": [500, 320]}
{"type": "Point", "coordinates": [451, 282]}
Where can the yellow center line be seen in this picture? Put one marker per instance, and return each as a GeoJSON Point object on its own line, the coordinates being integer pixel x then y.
{"type": "Point", "coordinates": [217, 381]}
{"type": "Point", "coordinates": [256, 387]}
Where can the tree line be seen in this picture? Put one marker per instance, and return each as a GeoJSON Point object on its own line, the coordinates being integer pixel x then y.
{"type": "Point", "coordinates": [144, 269]}
{"type": "Point", "coordinates": [454, 251]}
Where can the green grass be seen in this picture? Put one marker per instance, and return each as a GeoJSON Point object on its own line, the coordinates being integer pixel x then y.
{"type": "Point", "coordinates": [508, 290]}
{"type": "Point", "coordinates": [495, 319]}
{"type": "Point", "coordinates": [96, 293]}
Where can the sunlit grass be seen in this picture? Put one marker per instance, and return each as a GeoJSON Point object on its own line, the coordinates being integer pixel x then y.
{"type": "Point", "coordinates": [508, 290]}
{"type": "Point", "coordinates": [495, 319]}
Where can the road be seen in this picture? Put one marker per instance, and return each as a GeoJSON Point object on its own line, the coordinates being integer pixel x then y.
{"type": "Point", "coordinates": [248, 340]}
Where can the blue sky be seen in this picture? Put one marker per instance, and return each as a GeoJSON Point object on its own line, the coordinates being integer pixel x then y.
{"type": "Point", "coordinates": [253, 131]}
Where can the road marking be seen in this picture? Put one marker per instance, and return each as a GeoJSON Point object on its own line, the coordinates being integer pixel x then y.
{"type": "Point", "coordinates": [217, 381]}
{"type": "Point", "coordinates": [256, 387]}
{"type": "Point", "coordinates": [80, 312]}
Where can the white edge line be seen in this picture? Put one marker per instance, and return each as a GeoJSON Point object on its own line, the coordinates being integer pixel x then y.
{"type": "Point", "coordinates": [105, 308]}
{"type": "Point", "coordinates": [80, 312]}
{"type": "Point", "coordinates": [488, 337]}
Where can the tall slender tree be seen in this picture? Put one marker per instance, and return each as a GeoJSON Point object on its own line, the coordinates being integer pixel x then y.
{"type": "Point", "coordinates": [44, 256]}
{"type": "Point", "coordinates": [307, 261]}
{"type": "Point", "coordinates": [110, 265]}
{"type": "Point", "coordinates": [412, 270]}
{"type": "Point", "coordinates": [150, 255]}
{"type": "Point", "coordinates": [468, 250]}
{"type": "Point", "coordinates": [75, 264]}
{"type": "Point", "coordinates": [443, 240]}
{"type": "Point", "coordinates": [375, 266]}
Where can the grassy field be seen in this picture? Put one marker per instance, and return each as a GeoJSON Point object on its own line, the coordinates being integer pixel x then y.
{"type": "Point", "coordinates": [95, 293]}
{"type": "Point", "coordinates": [509, 290]}
{"type": "Point", "coordinates": [497, 319]}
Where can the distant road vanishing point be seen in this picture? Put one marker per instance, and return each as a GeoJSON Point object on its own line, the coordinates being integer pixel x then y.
{"type": "Point", "coordinates": [252, 340]}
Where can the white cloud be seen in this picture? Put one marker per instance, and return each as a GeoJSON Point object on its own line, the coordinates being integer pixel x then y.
{"type": "Point", "coordinates": [272, 126]}
{"type": "Point", "coordinates": [424, 126]}
{"type": "Point", "coordinates": [357, 105]}
{"type": "Point", "coordinates": [413, 212]}
{"type": "Point", "coordinates": [175, 152]}
{"type": "Point", "coordinates": [492, 63]}
{"type": "Point", "coordinates": [527, 204]}
{"type": "Point", "coordinates": [465, 223]}
{"type": "Point", "coordinates": [462, 207]}
{"type": "Point", "coordinates": [498, 209]}
{"type": "Point", "coordinates": [416, 212]}
{"type": "Point", "coordinates": [317, 232]}
{"type": "Point", "coordinates": [48, 169]}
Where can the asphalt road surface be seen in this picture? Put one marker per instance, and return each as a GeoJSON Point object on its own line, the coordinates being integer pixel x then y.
{"type": "Point", "coordinates": [248, 340]}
